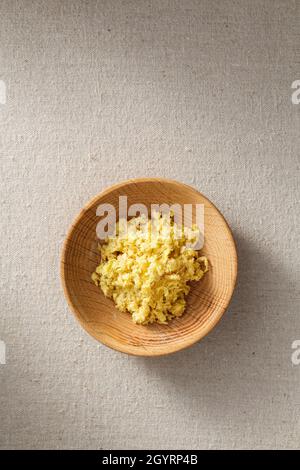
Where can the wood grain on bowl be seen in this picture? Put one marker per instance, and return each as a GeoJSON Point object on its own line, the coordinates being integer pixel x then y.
{"type": "Point", "coordinates": [206, 302]}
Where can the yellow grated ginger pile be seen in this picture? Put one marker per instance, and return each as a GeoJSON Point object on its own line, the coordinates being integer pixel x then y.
{"type": "Point", "coordinates": [146, 268]}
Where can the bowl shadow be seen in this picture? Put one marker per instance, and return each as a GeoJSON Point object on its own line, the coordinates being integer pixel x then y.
{"type": "Point", "coordinates": [221, 367]}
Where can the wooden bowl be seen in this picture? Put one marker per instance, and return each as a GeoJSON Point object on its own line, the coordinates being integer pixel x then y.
{"type": "Point", "coordinates": [206, 301]}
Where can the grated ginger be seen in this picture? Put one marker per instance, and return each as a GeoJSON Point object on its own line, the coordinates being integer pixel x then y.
{"type": "Point", "coordinates": [146, 268]}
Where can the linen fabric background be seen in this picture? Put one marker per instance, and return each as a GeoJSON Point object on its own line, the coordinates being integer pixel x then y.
{"type": "Point", "coordinates": [101, 91]}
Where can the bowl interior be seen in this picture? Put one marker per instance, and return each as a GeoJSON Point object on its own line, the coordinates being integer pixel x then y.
{"type": "Point", "coordinates": [206, 301]}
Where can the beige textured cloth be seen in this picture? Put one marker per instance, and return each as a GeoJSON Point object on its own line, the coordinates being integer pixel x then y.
{"type": "Point", "coordinates": [100, 91]}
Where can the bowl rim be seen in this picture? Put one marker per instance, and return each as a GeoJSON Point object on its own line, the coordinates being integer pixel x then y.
{"type": "Point", "coordinates": [142, 352]}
